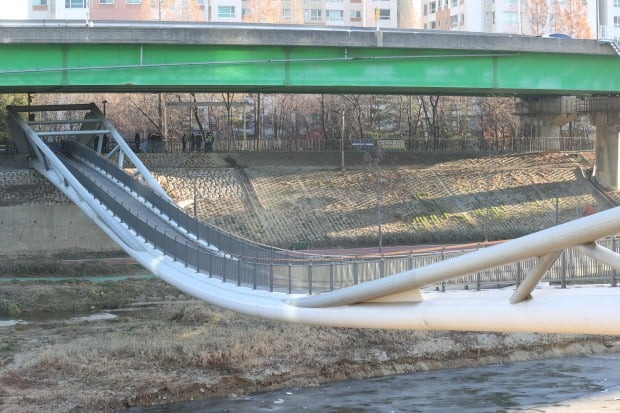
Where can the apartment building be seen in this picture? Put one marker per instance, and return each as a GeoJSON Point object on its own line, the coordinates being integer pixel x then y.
{"type": "Point", "coordinates": [365, 13]}
{"type": "Point", "coordinates": [45, 9]}
{"type": "Point", "coordinates": [369, 13]}
{"type": "Point", "coordinates": [522, 17]}
{"type": "Point", "coordinates": [609, 20]}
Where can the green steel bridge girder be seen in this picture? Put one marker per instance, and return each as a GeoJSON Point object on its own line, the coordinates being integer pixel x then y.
{"type": "Point", "coordinates": [76, 67]}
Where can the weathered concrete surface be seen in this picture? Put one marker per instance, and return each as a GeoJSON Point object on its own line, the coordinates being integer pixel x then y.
{"type": "Point", "coordinates": [43, 230]}
{"type": "Point", "coordinates": [608, 149]}
{"type": "Point", "coordinates": [242, 34]}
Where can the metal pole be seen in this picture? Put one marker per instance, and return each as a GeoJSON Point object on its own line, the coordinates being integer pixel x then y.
{"type": "Point", "coordinates": [614, 273]}
{"type": "Point", "coordinates": [290, 277]}
{"type": "Point", "coordinates": [342, 144]}
{"type": "Point", "coordinates": [195, 199]}
{"type": "Point", "coordinates": [563, 275]}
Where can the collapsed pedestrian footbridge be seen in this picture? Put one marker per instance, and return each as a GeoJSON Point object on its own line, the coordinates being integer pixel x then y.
{"type": "Point", "coordinates": [248, 277]}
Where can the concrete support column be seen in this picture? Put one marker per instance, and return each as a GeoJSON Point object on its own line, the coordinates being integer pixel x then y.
{"type": "Point", "coordinates": [607, 149]}
{"type": "Point", "coordinates": [548, 115]}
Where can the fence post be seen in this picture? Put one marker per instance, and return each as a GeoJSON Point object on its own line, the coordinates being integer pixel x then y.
{"type": "Point", "coordinates": [310, 278]}
{"type": "Point", "coordinates": [290, 278]}
{"type": "Point", "coordinates": [331, 276]}
{"type": "Point", "coordinates": [410, 260]}
{"type": "Point", "coordinates": [225, 261]}
{"type": "Point", "coordinates": [478, 281]}
{"type": "Point", "coordinates": [210, 265]}
{"type": "Point", "coordinates": [563, 274]}
{"type": "Point", "coordinates": [355, 269]}
{"type": "Point", "coordinates": [382, 266]}
{"type": "Point", "coordinates": [518, 273]}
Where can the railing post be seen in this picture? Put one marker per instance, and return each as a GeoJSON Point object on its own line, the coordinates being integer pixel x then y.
{"type": "Point", "coordinates": [355, 269]}
{"type": "Point", "coordinates": [563, 274]}
{"type": "Point", "coordinates": [239, 272]}
{"type": "Point", "coordinates": [254, 277]}
{"type": "Point", "coordinates": [410, 260]}
{"type": "Point", "coordinates": [614, 272]}
{"type": "Point", "coordinates": [271, 276]}
{"type": "Point", "coordinates": [210, 265]}
{"type": "Point", "coordinates": [382, 266]}
{"type": "Point", "coordinates": [478, 281]}
{"type": "Point", "coordinates": [290, 277]}
{"type": "Point", "coordinates": [310, 278]}
{"type": "Point", "coordinates": [443, 286]}
{"type": "Point", "coordinates": [186, 252]}
{"type": "Point", "coordinates": [518, 273]}
{"type": "Point", "coordinates": [224, 270]}
{"type": "Point", "coordinates": [331, 276]}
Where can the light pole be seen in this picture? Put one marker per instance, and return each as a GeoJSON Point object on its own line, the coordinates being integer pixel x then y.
{"type": "Point", "coordinates": [104, 103]}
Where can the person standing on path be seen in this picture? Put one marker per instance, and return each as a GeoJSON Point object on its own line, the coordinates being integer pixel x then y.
{"type": "Point", "coordinates": [136, 142]}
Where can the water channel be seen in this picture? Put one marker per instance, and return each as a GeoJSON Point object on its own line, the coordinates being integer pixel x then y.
{"type": "Point", "coordinates": [531, 386]}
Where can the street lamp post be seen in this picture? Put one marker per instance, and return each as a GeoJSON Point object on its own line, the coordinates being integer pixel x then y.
{"type": "Point", "coordinates": [104, 103]}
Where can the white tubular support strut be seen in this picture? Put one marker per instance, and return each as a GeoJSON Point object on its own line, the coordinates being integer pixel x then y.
{"type": "Point", "coordinates": [126, 150]}
{"type": "Point", "coordinates": [600, 254]}
{"type": "Point", "coordinates": [50, 161]}
{"type": "Point", "coordinates": [533, 278]}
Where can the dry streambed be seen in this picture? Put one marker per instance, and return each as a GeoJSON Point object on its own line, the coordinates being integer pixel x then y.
{"type": "Point", "coordinates": [184, 350]}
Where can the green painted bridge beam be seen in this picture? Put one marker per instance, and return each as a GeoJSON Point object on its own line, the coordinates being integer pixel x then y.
{"type": "Point", "coordinates": [249, 68]}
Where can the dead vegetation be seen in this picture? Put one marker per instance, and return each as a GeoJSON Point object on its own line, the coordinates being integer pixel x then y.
{"type": "Point", "coordinates": [190, 350]}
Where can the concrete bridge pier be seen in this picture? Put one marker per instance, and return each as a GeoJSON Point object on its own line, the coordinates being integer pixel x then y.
{"type": "Point", "coordinates": [548, 115]}
{"type": "Point", "coordinates": [607, 149]}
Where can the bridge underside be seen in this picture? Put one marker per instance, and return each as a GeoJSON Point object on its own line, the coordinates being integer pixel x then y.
{"type": "Point", "coordinates": [301, 69]}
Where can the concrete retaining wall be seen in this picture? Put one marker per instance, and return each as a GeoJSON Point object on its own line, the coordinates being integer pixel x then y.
{"type": "Point", "coordinates": [44, 230]}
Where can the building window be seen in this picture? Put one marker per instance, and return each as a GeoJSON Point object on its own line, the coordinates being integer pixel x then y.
{"type": "Point", "coordinates": [433, 25]}
{"type": "Point", "coordinates": [617, 22]}
{"type": "Point", "coordinates": [334, 15]}
{"type": "Point", "coordinates": [39, 3]}
{"type": "Point", "coordinates": [245, 12]}
{"type": "Point", "coordinates": [511, 17]}
{"type": "Point", "coordinates": [462, 20]}
{"type": "Point", "coordinates": [315, 15]}
{"type": "Point", "coordinates": [455, 3]}
{"type": "Point", "coordinates": [356, 14]}
{"type": "Point", "coordinates": [106, 1]}
{"type": "Point", "coordinates": [286, 14]}
{"type": "Point", "coordinates": [617, 3]}
{"type": "Point", "coordinates": [425, 12]}
{"type": "Point", "coordinates": [333, 1]}
{"type": "Point", "coordinates": [226, 11]}
{"type": "Point", "coordinates": [455, 21]}
{"type": "Point", "coordinates": [432, 7]}
{"type": "Point", "coordinates": [75, 4]}
{"type": "Point", "coordinates": [134, 1]}
{"type": "Point", "coordinates": [384, 14]}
